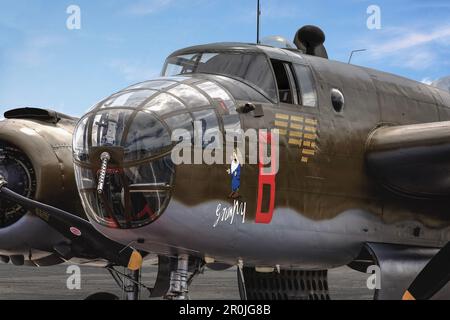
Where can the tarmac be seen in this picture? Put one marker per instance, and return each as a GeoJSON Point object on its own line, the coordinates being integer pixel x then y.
{"type": "Point", "coordinates": [50, 283]}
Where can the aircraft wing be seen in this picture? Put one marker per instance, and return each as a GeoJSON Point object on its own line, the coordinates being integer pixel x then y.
{"type": "Point", "coordinates": [82, 235]}
{"type": "Point", "coordinates": [411, 160]}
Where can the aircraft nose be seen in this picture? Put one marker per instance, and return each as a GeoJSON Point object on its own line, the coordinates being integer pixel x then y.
{"type": "Point", "coordinates": [122, 146]}
{"type": "Point", "coordinates": [123, 167]}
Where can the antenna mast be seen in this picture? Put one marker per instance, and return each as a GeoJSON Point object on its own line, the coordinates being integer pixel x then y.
{"type": "Point", "coordinates": [353, 52]}
{"type": "Point", "coordinates": [258, 15]}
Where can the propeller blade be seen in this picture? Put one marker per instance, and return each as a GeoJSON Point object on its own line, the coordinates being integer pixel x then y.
{"type": "Point", "coordinates": [79, 231]}
{"type": "Point", "coordinates": [432, 278]}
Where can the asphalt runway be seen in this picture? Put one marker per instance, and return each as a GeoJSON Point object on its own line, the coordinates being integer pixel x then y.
{"type": "Point", "coordinates": [49, 283]}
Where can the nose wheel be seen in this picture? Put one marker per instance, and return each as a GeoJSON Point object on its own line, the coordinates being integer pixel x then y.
{"type": "Point", "coordinates": [102, 296]}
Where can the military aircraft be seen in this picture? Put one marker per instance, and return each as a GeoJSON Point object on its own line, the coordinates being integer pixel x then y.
{"type": "Point", "coordinates": [351, 169]}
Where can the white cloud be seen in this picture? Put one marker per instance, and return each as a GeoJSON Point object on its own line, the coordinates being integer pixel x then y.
{"type": "Point", "coordinates": [419, 59]}
{"type": "Point", "coordinates": [430, 5]}
{"type": "Point", "coordinates": [279, 10]}
{"type": "Point", "coordinates": [270, 10]}
{"type": "Point", "coordinates": [146, 7]}
{"type": "Point", "coordinates": [35, 50]}
{"type": "Point", "coordinates": [413, 39]}
{"type": "Point", "coordinates": [134, 71]}
{"type": "Point", "coordinates": [409, 48]}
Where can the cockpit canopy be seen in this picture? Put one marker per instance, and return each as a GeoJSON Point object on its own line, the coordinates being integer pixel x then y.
{"type": "Point", "coordinates": [281, 75]}
{"type": "Point", "coordinates": [252, 67]}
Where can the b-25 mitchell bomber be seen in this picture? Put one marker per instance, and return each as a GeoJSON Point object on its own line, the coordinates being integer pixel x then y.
{"type": "Point", "coordinates": [329, 164]}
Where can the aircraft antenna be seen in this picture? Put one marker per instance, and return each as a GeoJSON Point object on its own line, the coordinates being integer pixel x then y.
{"type": "Point", "coordinates": [354, 51]}
{"type": "Point", "coordinates": [258, 15]}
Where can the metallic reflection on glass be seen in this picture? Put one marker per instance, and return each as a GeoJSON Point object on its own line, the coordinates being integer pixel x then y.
{"type": "Point", "coordinates": [163, 104]}
{"type": "Point", "coordinates": [147, 137]}
{"type": "Point", "coordinates": [306, 80]}
{"type": "Point", "coordinates": [216, 92]}
{"type": "Point", "coordinates": [189, 96]}
{"type": "Point", "coordinates": [181, 121]}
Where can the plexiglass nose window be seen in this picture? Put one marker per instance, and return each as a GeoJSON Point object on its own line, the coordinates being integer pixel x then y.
{"type": "Point", "coordinates": [139, 173]}
{"type": "Point", "coordinates": [132, 197]}
{"type": "Point", "coordinates": [122, 147]}
{"type": "Point", "coordinates": [140, 134]}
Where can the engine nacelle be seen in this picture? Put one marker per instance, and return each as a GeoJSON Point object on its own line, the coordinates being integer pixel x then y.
{"type": "Point", "coordinates": [36, 160]}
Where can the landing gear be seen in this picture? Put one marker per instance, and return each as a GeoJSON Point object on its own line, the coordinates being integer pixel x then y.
{"type": "Point", "coordinates": [131, 287]}
{"type": "Point", "coordinates": [178, 287]}
{"type": "Point", "coordinates": [175, 274]}
{"type": "Point", "coordinates": [181, 277]}
{"type": "Point", "coordinates": [129, 281]}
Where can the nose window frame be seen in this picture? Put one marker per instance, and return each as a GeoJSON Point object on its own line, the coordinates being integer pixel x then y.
{"type": "Point", "coordinates": [91, 163]}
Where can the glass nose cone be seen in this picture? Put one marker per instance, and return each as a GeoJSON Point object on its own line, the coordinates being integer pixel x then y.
{"type": "Point", "coordinates": [132, 129]}
{"type": "Point", "coordinates": [123, 167]}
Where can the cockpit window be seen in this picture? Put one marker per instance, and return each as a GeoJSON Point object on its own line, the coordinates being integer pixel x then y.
{"type": "Point", "coordinates": [285, 80]}
{"type": "Point", "coordinates": [251, 67]}
{"type": "Point", "coordinates": [307, 91]}
{"type": "Point", "coordinates": [181, 65]}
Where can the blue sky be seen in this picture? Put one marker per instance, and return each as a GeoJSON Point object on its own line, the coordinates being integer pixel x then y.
{"type": "Point", "coordinates": [121, 42]}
